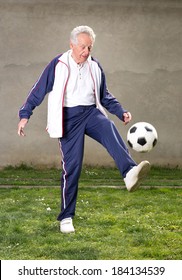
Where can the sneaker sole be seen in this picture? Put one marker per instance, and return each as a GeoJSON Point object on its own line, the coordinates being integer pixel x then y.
{"type": "Point", "coordinates": [145, 168]}
{"type": "Point", "coordinates": [67, 232]}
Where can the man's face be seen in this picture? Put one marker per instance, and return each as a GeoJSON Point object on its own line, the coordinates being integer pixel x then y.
{"type": "Point", "coordinates": [82, 49]}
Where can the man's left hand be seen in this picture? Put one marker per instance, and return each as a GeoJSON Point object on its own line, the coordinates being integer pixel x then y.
{"type": "Point", "coordinates": [127, 117]}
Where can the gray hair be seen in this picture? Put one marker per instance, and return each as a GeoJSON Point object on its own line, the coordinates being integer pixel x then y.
{"type": "Point", "coordinates": [81, 29]}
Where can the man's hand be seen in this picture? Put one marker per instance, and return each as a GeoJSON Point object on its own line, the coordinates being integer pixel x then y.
{"type": "Point", "coordinates": [21, 127]}
{"type": "Point", "coordinates": [127, 117]}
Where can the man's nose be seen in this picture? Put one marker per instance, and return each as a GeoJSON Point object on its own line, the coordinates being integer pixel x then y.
{"type": "Point", "coordinates": [87, 50]}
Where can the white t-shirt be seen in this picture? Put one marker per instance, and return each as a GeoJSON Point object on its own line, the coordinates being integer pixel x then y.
{"type": "Point", "coordinates": [80, 86]}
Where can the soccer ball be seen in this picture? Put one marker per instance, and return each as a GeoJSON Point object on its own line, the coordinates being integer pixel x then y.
{"type": "Point", "coordinates": [142, 137]}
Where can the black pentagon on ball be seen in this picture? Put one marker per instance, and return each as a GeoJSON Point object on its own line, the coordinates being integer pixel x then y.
{"type": "Point", "coordinates": [133, 129]}
{"type": "Point", "coordinates": [130, 144]}
{"type": "Point", "coordinates": [154, 142]}
{"type": "Point", "coordinates": [148, 128]}
{"type": "Point", "coordinates": [141, 141]}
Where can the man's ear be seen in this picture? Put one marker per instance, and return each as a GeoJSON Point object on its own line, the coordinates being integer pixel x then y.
{"type": "Point", "coordinates": [71, 45]}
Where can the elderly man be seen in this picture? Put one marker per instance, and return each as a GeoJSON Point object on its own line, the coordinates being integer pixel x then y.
{"type": "Point", "coordinates": [78, 94]}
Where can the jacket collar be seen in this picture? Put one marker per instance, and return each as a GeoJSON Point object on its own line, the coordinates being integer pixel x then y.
{"type": "Point", "coordinates": [65, 57]}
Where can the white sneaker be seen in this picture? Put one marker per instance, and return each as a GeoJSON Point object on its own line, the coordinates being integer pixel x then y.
{"type": "Point", "coordinates": [135, 175]}
{"type": "Point", "coordinates": [66, 226]}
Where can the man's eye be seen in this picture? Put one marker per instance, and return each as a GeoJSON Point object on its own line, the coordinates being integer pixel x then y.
{"type": "Point", "coordinates": [82, 47]}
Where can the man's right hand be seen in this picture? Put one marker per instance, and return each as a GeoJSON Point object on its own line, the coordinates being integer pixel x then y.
{"type": "Point", "coordinates": [21, 127]}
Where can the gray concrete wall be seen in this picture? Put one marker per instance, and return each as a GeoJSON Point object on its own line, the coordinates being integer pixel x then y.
{"type": "Point", "coordinates": [139, 44]}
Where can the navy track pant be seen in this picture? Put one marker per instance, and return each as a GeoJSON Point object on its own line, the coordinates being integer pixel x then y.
{"type": "Point", "coordinates": [78, 122]}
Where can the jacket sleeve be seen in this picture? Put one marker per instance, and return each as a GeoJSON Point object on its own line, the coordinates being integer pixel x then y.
{"type": "Point", "coordinates": [108, 100]}
{"type": "Point", "coordinates": [43, 85]}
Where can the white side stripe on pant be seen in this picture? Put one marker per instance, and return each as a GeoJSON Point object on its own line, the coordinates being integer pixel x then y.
{"type": "Point", "coordinates": [64, 176]}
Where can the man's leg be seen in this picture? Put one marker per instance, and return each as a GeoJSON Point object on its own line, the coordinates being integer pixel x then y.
{"type": "Point", "coordinates": [72, 148]}
{"type": "Point", "coordinates": [72, 156]}
{"type": "Point", "coordinates": [104, 131]}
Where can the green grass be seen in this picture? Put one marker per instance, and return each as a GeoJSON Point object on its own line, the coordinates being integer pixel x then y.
{"type": "Point", "coordinates": [110, 223]}
{"type": "Point", "coordinates": [29, 176]}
